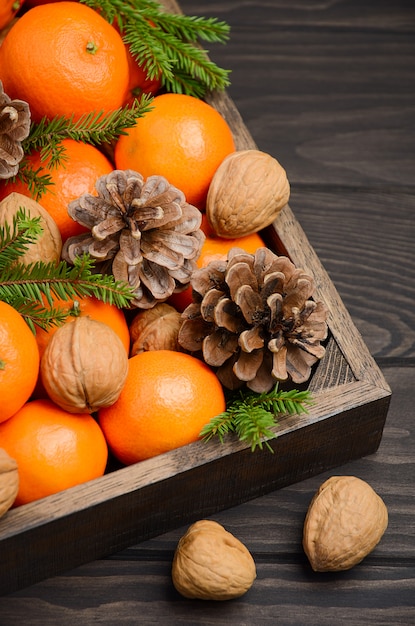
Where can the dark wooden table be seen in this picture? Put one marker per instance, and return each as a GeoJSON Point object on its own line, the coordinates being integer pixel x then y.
{"type": "Point", "coordinates": [328, 89]}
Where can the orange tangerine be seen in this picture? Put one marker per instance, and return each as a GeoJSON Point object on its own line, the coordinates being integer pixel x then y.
{"type": "Point", "coordinates": [54, 449]}
{"type": "Point", "coordinates": [183, 139]}
{"type": "Point", "coordinates": [64, 59]}
{"type": "Point", "coordinates": [19, 361]}
{"type": "Point", "coordinates": [167, 399]}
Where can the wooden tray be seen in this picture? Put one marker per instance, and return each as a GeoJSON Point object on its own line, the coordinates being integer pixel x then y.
{"type": "Point", "coordinates": [130, 505]}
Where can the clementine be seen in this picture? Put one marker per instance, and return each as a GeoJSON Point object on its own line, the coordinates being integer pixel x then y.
{"type": "Point", "coordinates": [65, 59]}
{"type": "Point", "coordinates": [181, 138]}
{"type": "Point", "coordinates": [54, 449]}
{"type": "Point", "coordinates": [167, 399]}
{"type": "Point", "coordinates": [76, 174]}
{"type": "Point", "coordinates": [19, 361]}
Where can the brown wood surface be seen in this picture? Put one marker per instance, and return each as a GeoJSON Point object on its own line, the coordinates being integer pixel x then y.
{"type": "Point", "coordinates": [328, 89]}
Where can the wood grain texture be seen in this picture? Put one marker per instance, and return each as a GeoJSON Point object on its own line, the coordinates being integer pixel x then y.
{"type": "Point", "coordinates": [327, 88]}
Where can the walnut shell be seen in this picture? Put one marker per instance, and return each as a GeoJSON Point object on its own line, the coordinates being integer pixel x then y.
{"type": "Point", "coordinates": [247, 192]}
{"type": "Point", "coordinates": [211, 564]}
{"type": "Point", "coordinates": [155, 329]}
{"type": "Point", "coordinates": [346, 519]}
{"type": "Point", "coordinates": [48, 246]}
{"type": "Point", "coordinates": [84, 366]}
{"type": "Point", "coordinates": [9, 481]}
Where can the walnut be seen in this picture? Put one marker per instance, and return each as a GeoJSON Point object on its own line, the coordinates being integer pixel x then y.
{"type": "Point", "coordinates": [145, 230]}
{"type": "Point", "coordinates": [211, 564]}
{"type": "Point", "coordinates": [9, 481]}
{"type": "Point", "coordinates": [14, 128]}
{"type": "Point", "coordinates": [346, 519]}
{"type": "Point", "coordinates": [155, 329]}
{"type": "Point", "coordinates": [254, 320]}
{"type": "Point", "coordinates": [247, 192]}
{"type": "Point", "coordinates": [84, 366]}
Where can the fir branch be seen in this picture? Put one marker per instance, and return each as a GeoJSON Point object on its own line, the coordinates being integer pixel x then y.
{"type": "Point", "coordinates": [166, 44]}
{"type": "Point", "coordinates": [27, 287]}
{"type": "Point", "coordinates": [253, 416]}
{"type": "Point", "coordinates": [192, 72]}
{"type": "Point", "coordinates": [94, 128]}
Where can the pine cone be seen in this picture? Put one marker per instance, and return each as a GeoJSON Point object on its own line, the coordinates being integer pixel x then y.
{"type": "Point", "coordinates": [252, 318]}
{"type": "Point", "coordinates": [14, 128]}
{"type": "Point", "coordinates": [146, 229]}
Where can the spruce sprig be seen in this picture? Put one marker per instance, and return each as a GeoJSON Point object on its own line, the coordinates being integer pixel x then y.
{"type": "Point", "coordinates": [166, 44]}
{"type": "Point", "coordinates": [94, 128]}
{"type": "Point", "coordinates": [25, 287]}
{"type": "Point", "coordinates": [252, 416]}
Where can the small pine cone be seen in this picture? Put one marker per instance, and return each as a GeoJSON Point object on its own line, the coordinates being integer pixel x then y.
{"type": "Point", "coordinates": [14, 128]}
{"type": "Point", "coordinates": [253, 320]}
{"type": "Point", "coordinates": [146, 230]}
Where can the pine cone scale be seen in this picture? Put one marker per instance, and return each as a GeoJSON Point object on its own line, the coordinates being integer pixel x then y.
{"type": "Point", "coordinates": [251, 339]}
{"type": "Point", "coordinates": [89, 211]}
{"type": "Point", "coordinates": [249, 302]}
{"type": "Point", "coordinates": [225, 315]}
{"type": "Point", "coordinates": [247, 365]}
{"type": "Point", "coordinates": [240, 275]}
{"type": "Point", "coordinates": [209, 303]}
{"type": "Point", "coordinates": [273, 284]}
{"type": "Point", "coordinates": [107, 227]}
{"type": "Point", "coordinates": [157, 279]}
{"type": "Point", "coordinates": [218, 347]}
{"type": "Point", "coordinates": [279, 363]}
{"type": "Point", "coordinates": [190, 221]}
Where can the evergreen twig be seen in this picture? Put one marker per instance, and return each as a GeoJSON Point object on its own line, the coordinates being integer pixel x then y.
{"type": "Point", "coordinates": [94, 128]}
{"type": "Point", "coordinates": [27, 287]}
{"type": "Point", "coordinates": [166, 44]}
{"type": "Point", "coordinates": [252, 416]}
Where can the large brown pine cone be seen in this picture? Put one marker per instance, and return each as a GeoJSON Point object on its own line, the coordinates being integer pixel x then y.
{"type": "Point", "coordinates": [146, 230]}
{"type": "Point", "coordinates": [253, 320]}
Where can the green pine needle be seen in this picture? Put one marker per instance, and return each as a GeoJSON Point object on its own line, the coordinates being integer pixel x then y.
{"type": "Point", "coordinates": [25, 287]}
{"type": "Point", "coordinates": [252, 416]}
{"type": "Point", "coordinates": [166, 44]}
